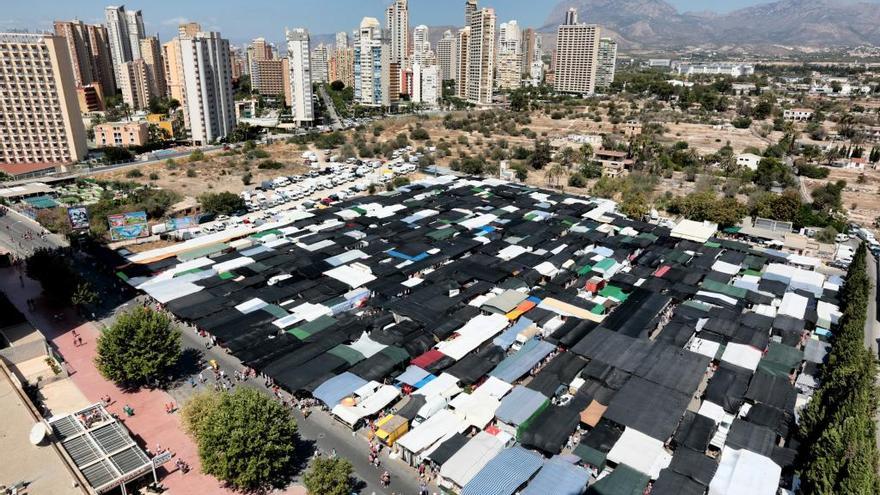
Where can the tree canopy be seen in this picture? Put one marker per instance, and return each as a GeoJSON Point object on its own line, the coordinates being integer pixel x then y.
{"type": "Point", "coordinates": [329, 477]}
{"type": "Point", "coordinates": [706, 206]}
{"type": "Point", "coordinates": [838, 442]}
{"type": "Point", "coordinates": [224, 203]}
{"type": "Point", "coordinates": [245, 439]}
{"type": "Point", "coordinates": [50, 267]}
{"type": "Point", "coordinates": [140, 348]}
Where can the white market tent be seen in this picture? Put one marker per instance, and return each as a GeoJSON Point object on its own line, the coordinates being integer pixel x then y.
{"type": "Point", "coordinates": [445, 386]}
{"type": "Point", "coordinates": [459, 469]}
{"type": "Point", "coordinates": [372, 398]}
{"type": "Point", "coordinates": [476, 331]}
{"type": "Point", "coordinates": [742, 472]}
{"type": "Point", "coordinates": [796, 278]}
{"type": "Point", "coordinates": [355, 275]}
{"type": "Point", "coordinates": [694, 231]}
{"type": "Point", "coordinates": [794, 305]}
{"type": "Point", "coordinates": [742, 355]}
{"type": "Point", "coordinates": [417, 440]}
{"type": "Point", "coordinates": [640, 452]}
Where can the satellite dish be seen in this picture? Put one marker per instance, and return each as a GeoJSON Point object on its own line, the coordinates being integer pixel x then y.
{"type": "Point", "coordinates": [38, 433]}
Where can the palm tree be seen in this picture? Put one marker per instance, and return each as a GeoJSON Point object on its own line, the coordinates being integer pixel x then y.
{"type": "Point", "coordinates": [556, 171]}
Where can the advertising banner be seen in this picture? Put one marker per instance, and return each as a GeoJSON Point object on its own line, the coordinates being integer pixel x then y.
{"type": "Point", "coordinates": [79, 217]}
{"type": "Point", "coordinates": [126, 226]}
{"type": "Point", "coordinates": [181, 223]}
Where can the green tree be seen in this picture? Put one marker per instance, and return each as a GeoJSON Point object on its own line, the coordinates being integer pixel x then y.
{"type": "Point", "coordinates": [337, 85]}
{"type": "Point", "coordinates": [542, 154]}
{"type": "Point", "coordinates": [223, 203]}
{"type": "Point", "coordinates": [196, 411]}
{"type": "Point", "coordinates": [419, 134]}
{"type": "Point", "coordinates": [83, 295]}
{"type": "Point", "coordinates": [827, 235]}
{"type": "Point", "coordinates": [140, 348]}
{"type": "Point", "coordinates": [247, 440]}
{"type": "Point", "coordinates": [521, 171]}
{"type": "Point", "coordinates": [329, 477]}
{"type": "Point", "coordinates": [50, 267]}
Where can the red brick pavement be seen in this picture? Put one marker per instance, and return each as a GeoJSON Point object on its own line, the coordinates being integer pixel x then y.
{"type": "Point", "coordinates": [150, 422]}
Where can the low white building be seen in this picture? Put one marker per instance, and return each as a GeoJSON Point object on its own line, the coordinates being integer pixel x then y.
{"type": "Point", "coordinates": [748, 160]}
{"type": "Point", "coordinates": [798, 114]}
{"type": "Point", "coordinates": [723, 68]}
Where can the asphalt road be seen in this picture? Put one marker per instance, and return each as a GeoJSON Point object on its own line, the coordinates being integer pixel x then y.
{"type": "Point", "coordinates": [331, 109]}
{"type": "Point", "coordinates": [21, 235]}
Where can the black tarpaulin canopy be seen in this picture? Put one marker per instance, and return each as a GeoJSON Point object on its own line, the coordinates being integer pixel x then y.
{"type": "Point", "coordinates": [475, 365]}
{"type": "Point", "coordinates": [672, 483]}
{"type": "Point", "coordinates": [678, 369]}
{"type": "Point", "coordinates": [756, 438]}
{"type": "Point", "coordinates": [695, 465]}
{"type": "Point", "coordinates": [727, 387]}
{"type": "Point", "coordinates": [549, 431]}
{"type": "Point", "coordinates": [411, 409]}
{"type": "Point", "coordinates": [448, 448]}
{"type": "Point", "coordinates": [771, 417]}
{"type": "Point", "coordinates": [773, 390]}
{"type": "Point", "coordinates": [649, 408]}
{"type": "Point", "coordinates": [695, 431]}
{"type": "Point", "coordinates": [561, 370]}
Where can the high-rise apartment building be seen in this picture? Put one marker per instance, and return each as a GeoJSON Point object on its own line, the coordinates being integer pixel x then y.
{"type": "Point", "coordinates": [270, 76]}
{"type": "Point", "coordinates": [421, 53]}
{"type": "Point", "coordinates": [173, 70]}
{"type": "Point", "coordinates": [151, 53]}
{"type": "Point", "coordinates": [426, 85]}
{"type": "Point", "coordinates": [298, 53]}
{"type": "Point", "coordinates": [446, 56]}
{"type": "Point", "coordinates": [509, 60]}
{"type": "Point", "coordinates": [531, 49]}
{"type": "Point", "coordinates": [89, 51]}
{"type": "Point", "coordinates": [236, 62]}
{"type": "Point", "coordinates": [207, 79]}
{"type": "Point", "coordinates": [40, 123]}
{"type": "Point", "coordinates": [320, 58]}
{"type": "Point", "coordinates": [258, 50]}
{"type": "Point", "coordinates": [340, 67]}
{"type": "Point", "coordinates": [134, 82]}
{"type": "Point", "coordinates": [341, 40]}
{"type": "Point", "coordinates": [125, 30]}
{"type": "Point", "coordinates": [577, 56]}
{"type": "Point", "coordinates": [117, 34]}
{"type": "Point", "coordinates": [374, 72]}
{"type": "Point", "coordinates": [481, 57]}
{"type": "Point", "coordinates": [188, 29]}
{"type": "Point", "coordinates": [607, 62]}
{"type": "Point", "coordinates": [397, 24]}
{"type": "Point", "coordinates": [470, 7]}
{"type": "Point", "coordinates": [462, 50]}
{"type": "Point", "coordinates": [134, 20]}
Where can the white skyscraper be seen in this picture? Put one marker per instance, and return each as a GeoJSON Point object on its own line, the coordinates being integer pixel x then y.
{"type": "Point", "coordinates": [426, 85]}
{"type": "Point", "coordinates": [421, 45]}
{"type": "Point", "coordinates": [397, 23]}
{"type": "Point", "coordinates": [481, 57]}
{"type": "Point", "coordinates": [134, 21]}
{"type": "Point", "coordinates": [509, 58]}
{"type": "Point", "coordinates": [298, 51]}
{"type": "Point", "coordinates": [207, 77]}
{"type": "Point", "coordinates": [447, 56]}
{"type": "Point", "coordinates": [372, 64]}
{"type": "Point", "coordinates": [320, 58]}
{"type": "Point", "coordinates": [341, 40]}
{"type": "Point", "coordinates": [577, 54]}
{"type": "Point", "coordinates": [117, 34]}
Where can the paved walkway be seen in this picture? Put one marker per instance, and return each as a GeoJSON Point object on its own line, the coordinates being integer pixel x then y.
{"type": "Point", "coordinates": [150, 424]}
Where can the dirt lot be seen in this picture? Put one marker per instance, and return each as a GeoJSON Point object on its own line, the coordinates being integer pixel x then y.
{"type": "Point", "coordinates": [216, 172]}
{"type": "Point", "coordinates": [708, 139]}
{"type": "Point", "coordinates": [862, 200]}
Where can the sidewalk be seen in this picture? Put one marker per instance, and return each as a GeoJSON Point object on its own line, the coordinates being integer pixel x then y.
{"type": "Point", "coordinates": [150, 423]}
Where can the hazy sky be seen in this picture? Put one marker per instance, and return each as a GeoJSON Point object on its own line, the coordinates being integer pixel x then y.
{"type": "Point", "coordinates": [241, 20]}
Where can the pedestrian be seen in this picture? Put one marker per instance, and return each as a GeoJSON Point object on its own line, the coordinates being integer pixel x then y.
{"type": "Point", "coordinates": [201, 378]}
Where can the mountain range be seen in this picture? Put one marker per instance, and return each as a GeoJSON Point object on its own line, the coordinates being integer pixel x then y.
{"type": "Point", "coordinates": [789, 23]}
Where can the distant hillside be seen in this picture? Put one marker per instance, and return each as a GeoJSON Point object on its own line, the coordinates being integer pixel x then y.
{"type": "Point", "coordinates": [656, 23]}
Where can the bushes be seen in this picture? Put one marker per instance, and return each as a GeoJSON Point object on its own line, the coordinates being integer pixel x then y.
{"type": "Point", "coordinates": [706, 206]}
{"type": "Point", "coordinates": [223, 203]}
{"type": "Point", "coordinates": [196, 156]}
{"type": "Point", "coordinates": [838, 446]}
{"type": "Point", "coordinates": [419, 134]}
{"type": "Point", "coordinates": [134, 173]}
{"type": "Point", "coordinates": [742, 122]}
{"type": "Point", "coordinates": [577, 180]}
{"type": "Point", "coordinates": [812, 171]}
{"type": "Point", "coordinates": [270, 165]}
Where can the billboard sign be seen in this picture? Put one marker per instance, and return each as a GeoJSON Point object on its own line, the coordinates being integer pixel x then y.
{"type": "Point", "coordinates": [79, 217]}
{"type": "Point", "coordinates": [127, 226]}
{"type": "Point", "coordinates": [181, 223]}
